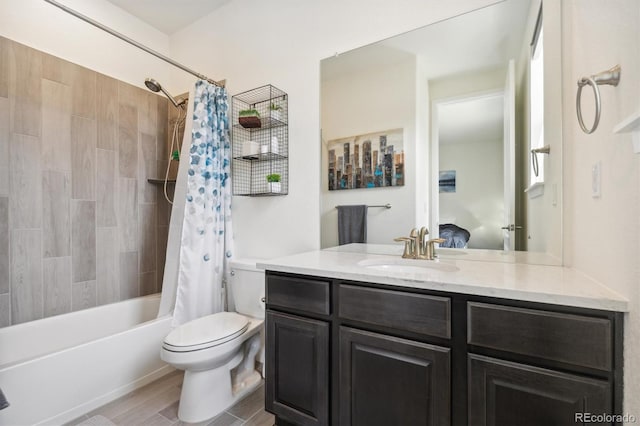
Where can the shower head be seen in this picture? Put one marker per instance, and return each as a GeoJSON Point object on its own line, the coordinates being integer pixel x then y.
{"type": "Point", "coordinates": [156, 87]}
{"type": "Point", "coordinates": [152, 85]}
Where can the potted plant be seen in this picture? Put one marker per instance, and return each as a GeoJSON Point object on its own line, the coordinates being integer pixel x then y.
{"type": "Point", "coordinates": [273, 180]}
{"type": "Point", "coordinates": [275, 111]}
{"type": "Point", "coordinates": [249, 118]}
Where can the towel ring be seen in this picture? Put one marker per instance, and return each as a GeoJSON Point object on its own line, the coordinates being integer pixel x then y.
{"type": "Point", "coordinates": [610, 77]}
{"type": "Point", "coordinates": [534, 156]}
{"type": "Point", "coordinates": [581, 83]}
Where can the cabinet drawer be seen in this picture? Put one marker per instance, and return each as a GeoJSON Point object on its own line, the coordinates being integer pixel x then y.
{"type": "Point", "coordinates": [416, 313]}
{"type": "Point", "coordinates": [300, 294]}
{"type": "Point", "coordinates": [574, 339]}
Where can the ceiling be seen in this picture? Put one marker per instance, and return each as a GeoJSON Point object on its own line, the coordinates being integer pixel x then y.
{"type": "Point", "coordinates": [472, 120]}
{"type": "Point", "coordinates": [169, 16]}
{"type": "Point", "coordinates": [479, 40]}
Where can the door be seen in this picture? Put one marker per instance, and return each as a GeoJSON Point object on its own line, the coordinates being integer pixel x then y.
{"type": "Point", "coordinates": [509, 159]}
{"type": "Point", "coordinates": [387, 380]}
{"type": "Point", "coordinates": [297, 358]}
{"type": "Point", "coordinates": [503, 393]}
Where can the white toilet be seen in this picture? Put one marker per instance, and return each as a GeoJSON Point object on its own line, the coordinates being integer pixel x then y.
{"type": "Point", "coordinates": [218, 352]}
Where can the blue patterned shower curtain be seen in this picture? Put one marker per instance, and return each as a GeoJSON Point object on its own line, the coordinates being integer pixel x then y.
{"type": "Point", "coordinates": [206, 243]}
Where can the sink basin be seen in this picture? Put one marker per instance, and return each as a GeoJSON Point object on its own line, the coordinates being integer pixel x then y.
{"type": "Point", "coordinates": [401, 265]}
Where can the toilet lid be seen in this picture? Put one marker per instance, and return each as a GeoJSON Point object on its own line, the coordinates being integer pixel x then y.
{"type": "Point", "coordinates": [207, 331]}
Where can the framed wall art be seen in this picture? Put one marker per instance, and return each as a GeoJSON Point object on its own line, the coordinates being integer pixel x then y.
{"type": "Point", "coordinates": [372, 160]}
{"type": "Point", "coordinates": [447, 181]}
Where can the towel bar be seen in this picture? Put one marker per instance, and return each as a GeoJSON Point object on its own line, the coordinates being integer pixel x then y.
{"type": "Point", "coordinates": [386, 206]}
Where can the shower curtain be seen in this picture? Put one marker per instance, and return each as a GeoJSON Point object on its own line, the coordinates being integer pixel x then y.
{"type": "Point", "coordinates": [206, 242]}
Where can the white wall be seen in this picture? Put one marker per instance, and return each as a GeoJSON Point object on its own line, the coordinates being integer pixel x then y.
{"type": "Point", "coordinates": [478, 203]}
{"type": "Point", "coordinates": [366, 102]}
{"type": "Point", "coordinates": [252, 43]}
{"type": "Point", "coordinates": [602, 235]}
{"type": "Point", "coordinates": [42, 26]}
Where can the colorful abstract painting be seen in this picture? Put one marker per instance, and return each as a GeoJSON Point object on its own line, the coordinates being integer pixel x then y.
{"type": "Point", "coordinates": [371, 160]}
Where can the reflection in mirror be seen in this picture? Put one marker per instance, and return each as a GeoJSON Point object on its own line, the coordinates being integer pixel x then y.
{"type": "Point", "coordinates": [472, 96]}
{"type": "Point", "coordinates": [470, 136]}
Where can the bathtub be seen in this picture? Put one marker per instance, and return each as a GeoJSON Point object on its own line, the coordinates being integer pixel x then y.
{"type": "Point", "coordinates": [56, 369]}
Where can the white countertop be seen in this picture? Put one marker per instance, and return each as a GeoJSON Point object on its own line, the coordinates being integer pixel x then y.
{"type": "Point", "coordinates": [533, 258]}
{"type": "Point", "coordinates": [534, 283]}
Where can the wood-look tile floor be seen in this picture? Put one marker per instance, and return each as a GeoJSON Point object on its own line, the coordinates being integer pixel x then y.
{"type": "Point", "coordinates": [156, 404]}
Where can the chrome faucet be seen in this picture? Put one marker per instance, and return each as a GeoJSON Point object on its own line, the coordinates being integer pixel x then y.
{"type": "Point", "coordinates": [416, 245]}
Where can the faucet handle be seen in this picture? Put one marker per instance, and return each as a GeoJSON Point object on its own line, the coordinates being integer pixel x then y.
{"type": "Point", "coordinates": [436, 240]}
{"type": "Point", "coordinates": [430, 247]}
{"type": "Point", "coordinates": [409, 244]}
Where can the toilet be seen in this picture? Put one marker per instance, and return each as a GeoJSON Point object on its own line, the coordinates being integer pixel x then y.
{"type": "Point", "coordinates": [218, 352]}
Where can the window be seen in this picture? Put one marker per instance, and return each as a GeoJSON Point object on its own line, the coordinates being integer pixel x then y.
{"type": "Point", "coordinates": [536, 104]}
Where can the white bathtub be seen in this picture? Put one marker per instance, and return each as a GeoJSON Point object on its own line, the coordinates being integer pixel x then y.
{"type": "Point", "coordinates": [56, 369]}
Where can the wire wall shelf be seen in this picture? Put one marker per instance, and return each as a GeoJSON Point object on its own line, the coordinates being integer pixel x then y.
{"type": "Point", "coordinates": [260, 136]}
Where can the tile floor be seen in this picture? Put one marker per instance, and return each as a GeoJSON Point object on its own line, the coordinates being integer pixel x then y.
{"type": "Point", "coordinates": [156, 404]}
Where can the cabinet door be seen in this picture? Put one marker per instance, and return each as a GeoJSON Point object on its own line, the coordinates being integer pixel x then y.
{"type": "Point", "coordinates": [503, 393]}
{"type": "Point", "coordinates": [297, 358]}
{"type": "Point", "coordinates": [387, 380]}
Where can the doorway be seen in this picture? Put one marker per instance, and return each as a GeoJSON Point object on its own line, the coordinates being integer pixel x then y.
{"type": "Point", "coordinates": [469, 168]}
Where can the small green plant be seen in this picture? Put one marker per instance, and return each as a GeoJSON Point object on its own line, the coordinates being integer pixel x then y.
{"type": "Point", "coordinates": [249, 113]}
{"type": "Point", "coordinates": [274, 107]}
{"type": "Point", "coordinates": [273, 177]}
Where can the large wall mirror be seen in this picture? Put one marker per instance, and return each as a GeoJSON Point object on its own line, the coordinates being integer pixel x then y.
{"type": "Point", "coordinates": [465, 101]}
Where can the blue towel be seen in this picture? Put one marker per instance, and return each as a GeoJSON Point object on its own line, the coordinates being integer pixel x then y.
{"type": "Point", "coordinates": [352, 224]}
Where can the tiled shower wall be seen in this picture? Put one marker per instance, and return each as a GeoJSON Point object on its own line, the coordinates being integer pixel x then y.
{"type": "Point", "coordinates": [79, 224]}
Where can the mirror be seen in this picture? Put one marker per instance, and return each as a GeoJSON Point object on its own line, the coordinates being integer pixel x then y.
{"type": "Point", "coordinates": [470, 97]}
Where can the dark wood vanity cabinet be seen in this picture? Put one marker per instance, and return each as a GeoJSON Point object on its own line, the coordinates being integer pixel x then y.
{"type": "Point", "coordinates": [385, 380]}
{"type": "Point", "coordinates": [298, 344]}
{"type": "Point", "coordinates": [565, 364]}
{"type": "Point", "coordinates": [503, 393]}
{"type": "Point", "coordinates": [297, 369]}
{"type": "Point", "coordinates": [363, 354]}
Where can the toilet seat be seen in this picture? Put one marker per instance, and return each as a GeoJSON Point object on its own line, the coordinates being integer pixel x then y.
{"type": "Point", "coordinates": [206, 332]}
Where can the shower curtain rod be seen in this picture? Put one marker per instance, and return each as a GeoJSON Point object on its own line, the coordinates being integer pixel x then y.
{"type": "Point", "coordinates": [123, 37]}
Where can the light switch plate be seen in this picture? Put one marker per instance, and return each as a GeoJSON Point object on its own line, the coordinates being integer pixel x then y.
{"type": "Point", "coordinates": [596, 178]}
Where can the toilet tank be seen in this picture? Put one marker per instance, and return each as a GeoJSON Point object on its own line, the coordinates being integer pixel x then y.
{"type": "Point", "coordinates": [246, 284]}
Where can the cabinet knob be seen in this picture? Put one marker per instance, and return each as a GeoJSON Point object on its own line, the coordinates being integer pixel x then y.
{"type": "Point", "coordinates": [263, 300]}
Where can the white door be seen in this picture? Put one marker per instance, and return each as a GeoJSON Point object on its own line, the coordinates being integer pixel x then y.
{"type": "Point", "coordinates": [509, 227]}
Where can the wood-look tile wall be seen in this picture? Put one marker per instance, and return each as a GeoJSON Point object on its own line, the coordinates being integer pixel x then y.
{"type": "Point", "coordinates": [80, 226]}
